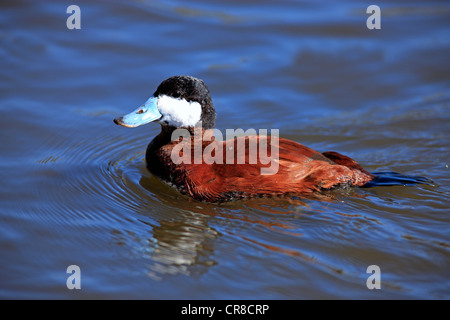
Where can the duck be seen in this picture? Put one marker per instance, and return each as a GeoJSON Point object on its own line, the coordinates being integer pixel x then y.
{"type": "Point", "coordinates": [190, 155]}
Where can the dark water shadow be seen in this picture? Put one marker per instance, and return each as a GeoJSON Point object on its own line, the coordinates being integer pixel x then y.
{"type": "Point", "coordinates": [385, 179]}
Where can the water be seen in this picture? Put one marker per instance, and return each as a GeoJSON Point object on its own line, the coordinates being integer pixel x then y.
{"type": "Point", "coordinates": [74, 185]}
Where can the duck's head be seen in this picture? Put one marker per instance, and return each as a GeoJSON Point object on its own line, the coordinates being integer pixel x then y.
{"type": "Point", "coordinates": [178, 102]}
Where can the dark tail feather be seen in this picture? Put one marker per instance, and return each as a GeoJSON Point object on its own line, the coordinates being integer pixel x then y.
{"type": "Point", "coordinates": [395, 179]}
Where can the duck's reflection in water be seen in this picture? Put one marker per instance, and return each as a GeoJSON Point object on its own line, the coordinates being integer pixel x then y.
{"type": "Point", "coordinates": [182, 247]}
{"type": "Point", "coordinates": [184, 243]}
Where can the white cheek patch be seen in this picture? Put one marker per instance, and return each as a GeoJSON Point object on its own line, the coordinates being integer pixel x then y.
{"type": "Point", "coordinates": [179, 112]}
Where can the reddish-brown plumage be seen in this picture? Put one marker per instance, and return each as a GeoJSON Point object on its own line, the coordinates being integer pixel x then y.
{"type": "Point", "coordinates": [301, 170]}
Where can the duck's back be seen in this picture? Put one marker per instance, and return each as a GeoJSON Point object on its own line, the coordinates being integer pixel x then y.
{"type": "Point", "coordinates": [285, 167]}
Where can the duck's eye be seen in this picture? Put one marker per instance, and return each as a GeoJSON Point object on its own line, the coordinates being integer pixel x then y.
{"type": "Point", "coordinates": [140, 111]}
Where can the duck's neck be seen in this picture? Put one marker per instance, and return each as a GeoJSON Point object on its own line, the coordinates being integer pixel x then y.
{"type": "Point", "coordinates": [164, 138]}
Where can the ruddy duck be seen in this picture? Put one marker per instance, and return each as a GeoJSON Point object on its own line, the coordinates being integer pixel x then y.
{"type": "Point", "coordinates": [184, 102]}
